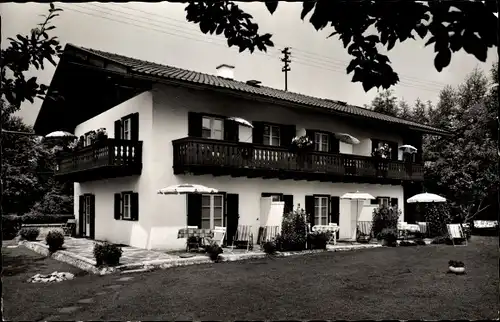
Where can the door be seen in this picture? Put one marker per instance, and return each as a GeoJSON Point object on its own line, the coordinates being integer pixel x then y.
{"type": "Point", "coordinates": [87, 217]}
{"type": "Point", "coordinates": [335, 211]}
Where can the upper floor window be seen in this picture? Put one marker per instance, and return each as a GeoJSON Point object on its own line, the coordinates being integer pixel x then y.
{"type": "Point", "coordinates": [127, 128]}
{"type": "Point", "coordinates": [272, 135]}
{"type": "Point", "coordinates": [212, 128]}
{"type": "Point", "coordinates": [321, 142]}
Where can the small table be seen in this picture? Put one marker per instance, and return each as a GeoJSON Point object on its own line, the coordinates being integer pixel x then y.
{"type": "Point", "coordinates": [201, 233]}
{"type": "Point", "coordinates": [333, 229]}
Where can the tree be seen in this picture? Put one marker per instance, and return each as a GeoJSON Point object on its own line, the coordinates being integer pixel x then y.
{"type": "Point", "coordinates": [451, 25]}
{"type": "Point", "coordinates": [419, 113]}
{"type": "Point", "coordinates": [385, 102]}
{"type": "Point", "coordinates": [404, 110]}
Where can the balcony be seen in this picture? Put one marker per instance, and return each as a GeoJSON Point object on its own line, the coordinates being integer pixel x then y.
{"type": "Point", "coordinates": [205, 156]}
{"type": "Point", "coordinates": [105, 159]}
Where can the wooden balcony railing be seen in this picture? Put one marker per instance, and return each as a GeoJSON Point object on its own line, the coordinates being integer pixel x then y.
{"type": "Point", "coordinates": [197, 153]}
{"type": "Point", "coordinates": [106, 154]}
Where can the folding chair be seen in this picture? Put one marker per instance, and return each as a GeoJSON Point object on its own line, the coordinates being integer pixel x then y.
{"type": "Point", "coordinates": [334, 228]}
{"type": "Point", "coordinates": [244, 234]}
{"type": "Point", "coordinates": [69, 227]}
{"type": "Point", "coordinates": [455, 232]}
{"type": "Point", "coordinates": [219, 234]}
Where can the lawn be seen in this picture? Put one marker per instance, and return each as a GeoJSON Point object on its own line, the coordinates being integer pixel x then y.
{"type": "Point", "coordinates": [384, 283]}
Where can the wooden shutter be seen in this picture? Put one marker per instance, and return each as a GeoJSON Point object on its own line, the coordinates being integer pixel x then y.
{"type": "Point", "coordinates": [194, 124]}
{"type": "Point", "coordinates": [394, 202]}
{"type": "Point", "coordinates": [231, 131]}
{"type": "Point", "coordinates": [134, 206]}
{"type": "Point", "coordinates": [258, 132]}
{"type": "Point", "coordinates": [375, 201]}
{"type": "Point", "coordinates": [394, 150]}
{"type": "Point", "coordinates": [118, 206]}
{"type": "Point", "coordinates": [194, 210]}
{"type": "Point", "coordinates": [375, 144]}
{"type": "Point", "coordinates": [134, 127]}
{"type": "Point", "coordinates": [81, 201]}
{"type": "Point", "coordinates": [118, 129]}
{"type": "Point", "coordinates": [287, 133]}
{"type": "Point", "coordinates": [288, 199]}
{"type": "Point", "coordinates": [334, 210]}
{"type": "Point", "coordinates": [232, 216]}
{"type": "Point", "coordinates": [310, 209]}
{"type": "Point", "coordinates": [334, 144]}
{"type": "Point", "coordinates": [312, 135]}
{"type": "Point", "coordinates": [92, 217]}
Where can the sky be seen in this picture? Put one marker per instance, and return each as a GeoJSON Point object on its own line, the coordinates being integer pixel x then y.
{"type": "Point", "coordinates": [159, 32]}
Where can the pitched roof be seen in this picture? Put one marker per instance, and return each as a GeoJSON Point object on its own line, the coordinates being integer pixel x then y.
{"type": "Point", "coordinates": [141, 67]}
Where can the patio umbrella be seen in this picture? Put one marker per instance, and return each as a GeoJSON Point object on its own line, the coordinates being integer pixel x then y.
{"type": "Point", "coordinates": [357, 196]}
{"type": "Point", "coordinates": [408, 148]}
{"type": "Point", "coordinates": [185, 188]}
{"type": "Point", "coordinates": [346, 138]}
{"type": "Point", "coordinates": [425, 198]}
{"type": "Point", "coordinates": [240, 121]}
{"type": "Point", "coordinates": [58, 134]}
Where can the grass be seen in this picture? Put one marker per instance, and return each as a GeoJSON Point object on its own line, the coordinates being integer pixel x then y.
{"type": "Point", "coordinates": [387, 283]}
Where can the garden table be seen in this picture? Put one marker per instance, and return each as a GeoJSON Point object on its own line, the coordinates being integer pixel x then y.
{"type": "Point", "coordinates": [327, 229]}
{"type": "Point", "coordinates": [200, 233]}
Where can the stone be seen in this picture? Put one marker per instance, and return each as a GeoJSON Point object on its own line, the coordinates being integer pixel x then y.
{"type": "Point", "coordinates": [68, 309]}
{"type": "Point", "coordinates": [86, 301]}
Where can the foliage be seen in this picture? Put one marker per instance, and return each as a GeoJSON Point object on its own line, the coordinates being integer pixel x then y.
{"type": "Point", "coordinates": [269, 247]}
{"type": "Point", "coordinates": [365, 27]}
{"type": "Point", "coordinates": [441, 240]}
{"type": "Point", "coordinates": [382, 152]}
{"type": "Point", "coordinates": [107, 253]}
{"type": "Point", "coordinates": [11, 224]}
{"type": "Point", "coordinates": [301, 143]}
{"type": "Point", "coordinates": [453, 263]}
{"type": "Point", "coordinates": [405, 243]}
{"type": "Point", "coordinates": [57, 200]}
{"type": "Point", "coordinates": [420, 242]}
{"type": "Point", "coordinates": [384, 217]}
{"type": "Point", "coordinates": [420, 112]}
{"type": "Point", "coordinates": [23, 53]}
{"type": "Point", "coordinates": [390, 235]}
{"type": "Point", "coordinates": [30, 234]}
{"type": "Point", "coordinates": [385, 102]}
{"type": "Point", "coordinates": [318, 240]}
{"type": "Point", "coordinates": [55, 240]}
{"type": "Point", "coordinates": [293, 231]}
{"type": "Point", "coordinates": [437, 217]}
{"type": "Point", "coordinates": [404, 111]}
{"type": "Point", "coordinates": [214, 251]}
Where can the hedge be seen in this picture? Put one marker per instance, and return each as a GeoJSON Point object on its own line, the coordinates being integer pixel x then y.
{"type": "Point", "coordinates": [11, 224]}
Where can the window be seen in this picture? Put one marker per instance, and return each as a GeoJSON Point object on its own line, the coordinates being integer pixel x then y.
{"type": "Point", "coordinates": [271, 135]}
{"type": "Point", "coordinates": [321, 142]}
{"type": "Point", "coordinates": [126, 206]}
{"type": "Point", "coordinates": [211, 211]}
{"type": "Point", "coordinates": [320, 210]}
{"type": "Point", "coordinates": [126, 129]}
{"type": "Point", "coordinates": [212, 128]}
{"type": "Point", "coordinates": [88, 140]}
{"type": "Point", "coordinates": [383, 202]}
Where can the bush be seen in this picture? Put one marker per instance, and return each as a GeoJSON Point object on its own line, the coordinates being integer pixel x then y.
{"type": "Point", "coordinates": [437, 218]}
{"type": "Point", "coordinates": [384, 217]}
{"type": "Point", "coordinates": [107, 253]}
{"type": "Point", "coordinates": [441, 240]}
{"type": "Point", "coordinates": [214, 251]}
{"type": "Point", "coordinates": [318, 240]}
{"type": "Point", "coordinates": [11, 225]}
{"type": "Point", "coordinates": [407, 243]}
{"type": "Point", "coordinates": [456, 263]}
{"type": "Point", "coordinates": [29, 233]}
{"type": "Point", "coordinates": [390, 235]}
{"type": "Point", "coordinates": [293, 231]}
{"type": "Point", "coordinates": [420, 242]}
{"type": "Point", "coordinates": [269, 247]}
{"type": "Point", "coordinates": [55, 240]}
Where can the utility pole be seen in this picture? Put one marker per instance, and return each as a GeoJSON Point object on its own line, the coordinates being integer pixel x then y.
{"type": "Point", "coordinates": [286, 68]}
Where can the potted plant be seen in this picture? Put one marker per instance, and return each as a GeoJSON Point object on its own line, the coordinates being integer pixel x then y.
{"type": "Point", "coordinates": [92, 135]}
{"type": "Point", "coordinates": [388, 237]}
{"type": "Point", "coordinates": [456, 267]}
{"type": "Point", "coordinates": [101, 134]}
{"type": "Point", "coordinates": [301, 145]}
{"type": "Point", "coordinates": [362, 237]}
{"type": "Point", "coordinates": [382, 155]}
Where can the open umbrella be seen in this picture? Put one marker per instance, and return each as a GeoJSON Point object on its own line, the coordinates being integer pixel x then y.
{"type": "Point", "coordinates": [185, 188]}
{"type": "Point", "coordinates": [425, 198]}
{"type": "Point", "coordinates": [240, 121]}
{"type": "Point", "coordinates": [408, 148]}
{"type": "Point", "coordinates": [346, 138]}
{"type": "Point", "coordinates": [357, 196]}
{"type": "Point", "coordinates": [58, 134]}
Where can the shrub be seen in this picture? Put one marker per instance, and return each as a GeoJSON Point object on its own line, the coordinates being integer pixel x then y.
{"type": "Point", "coordinates": [318, 240]}
{"type": "Point", "coordinates": [420, 242]}
{"type": "Point", "coordinates": [384, 217]}
{"type": "Point", "coordinates": [456, 263]}
{"type": "Point", "coordinates": [390, 235]}
{"type": "Point", "coordinates": [107, 253]}
{"type": "Point", "coordinates": [407, 243]}
{"type": "Point", "coordinates": [29, 233]}
{"type": "Point", "coordinates": [214, 251]}
{"type": "Point", "coordinates": [269, 247]}
{"type": "Point", "coordinates": [11, 224]}
{"type": "Point", "coordinates": [293, 231]}
{"type": "Point", "coordinates": [55, 240]}
{"type": "Point", "coordinates": [437, 218]}
{"type": "Point", "coordinates": [45, 219]}
{"type": "Point", "coordinates": [441, 240]}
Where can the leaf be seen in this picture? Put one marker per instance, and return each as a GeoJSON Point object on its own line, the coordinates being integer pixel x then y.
{"type": "Point", "coordinates": [442, 59]}
{"type": "Point", "coordinates": [271, 6]}
{"type": "Point", "coordinates": [430, 41]}
{"type": "Point", "coordinates": [52, 6]}
{"type": "Point", "coordinates": [421, 30]}
{"type": "Point", "coordinates": [50, 28]}
{"type": "Point", "coordinates": [352, 65]}
{"type": "Point", "coordinates": [391, 42]}
{"type": "Point", "coordinates": [307, 6]}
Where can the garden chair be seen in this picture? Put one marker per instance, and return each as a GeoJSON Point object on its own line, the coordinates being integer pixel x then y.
{"type": "Point", "coordinates": [334, 229]}
{"type": "Point", "coordinates": [455, 232]}
{"type": "Point", "coordinates": [267, 233]}
{"type": "Point", "coordinates": [219, 234]}
{"type": "Point", "coordinates": [69, 228]}
{"type": "Point", "coordinates": [244, 234]}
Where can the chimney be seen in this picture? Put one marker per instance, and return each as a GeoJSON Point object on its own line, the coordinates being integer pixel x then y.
{"type": "Point", "coordinates": [226, 71]}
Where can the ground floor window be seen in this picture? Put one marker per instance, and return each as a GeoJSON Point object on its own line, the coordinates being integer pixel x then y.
{"type": "Point", "coordinates": [383, 202]}
{"type": "Point", "coordinates": [320, 210]}
{"type": "Point", "coordinates": [212, 210]}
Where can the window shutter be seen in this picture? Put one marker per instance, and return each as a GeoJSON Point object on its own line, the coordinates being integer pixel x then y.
{"type": "Point", "coordinates": [92, 217]}
{"type": "Point", "coordinates": [194, 124]}
{"type": "Point", "coordinates": [231, 131]}
{"type": "Point", "coordinates": [134, 127]}
{"type": "Point", "coordinates": [311, 135]}
{"type": "Point", "coordinates": [81, 201]}
{"type": "Point", "coordinates": [310, 209]}
{"type": "Point", "coordinates": [334, 210]}
{"type": "Point", "coordinates": [118, 206]}
{"type": "Point", "coordinates": [134, 206]}
{"type": "Point", "coordinates": [375, 144]}
{"type": "Point", "coordinates": [118, 129]}
{"type": "Point", "coordinates": [232, 216]}
{"type": "Point", "coordinates": [375, 201]}
{"type": "Point", "coordinates": [258, 132]}
{"type": "Point", "coordinates": [266, 194]}
{"type": "Point", "coordinates": [334, 143]}
{"type": "Point", "coordinates": [394, 202]}
{"type": "Point", "coordinates": [288, 132]}
{"type": "Point", "coordinates": [288, 199]}
{"type": "Point", "coordinates": [394, 151]}
{"type": "Point", "coordinates": [194, 210]}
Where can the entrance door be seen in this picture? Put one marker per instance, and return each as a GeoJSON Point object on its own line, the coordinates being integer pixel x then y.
{"type": "Point", "coordinates": [87, 215]}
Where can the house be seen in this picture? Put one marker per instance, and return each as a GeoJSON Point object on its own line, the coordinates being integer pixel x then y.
{"type": "Point", "coordinates": [168, 126]}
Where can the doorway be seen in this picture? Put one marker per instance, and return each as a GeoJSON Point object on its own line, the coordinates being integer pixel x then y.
{"type": "Point", "coordinates": [87, 216]}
